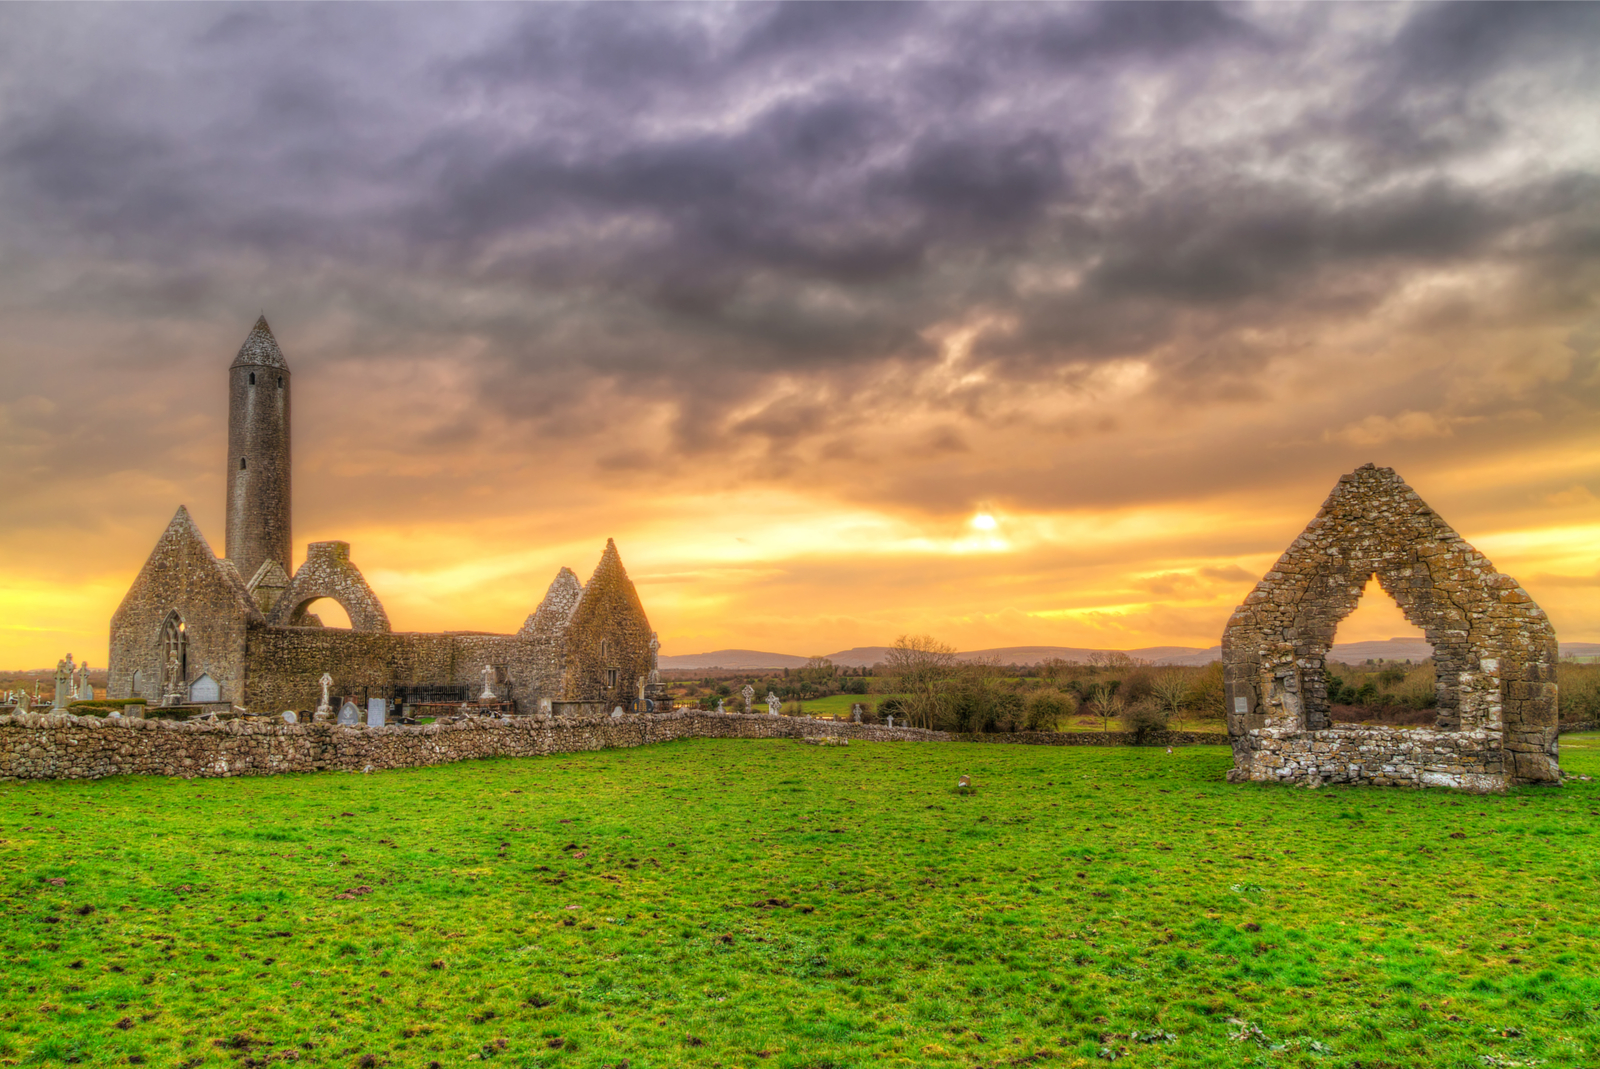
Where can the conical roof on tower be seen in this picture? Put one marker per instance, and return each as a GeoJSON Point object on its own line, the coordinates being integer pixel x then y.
{"type": "Point", "coordinates": [260, 348]}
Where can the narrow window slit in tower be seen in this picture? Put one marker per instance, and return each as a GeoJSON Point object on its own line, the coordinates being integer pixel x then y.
{"type": "Point", "coordinates": [252, 378]}
{"type": "Point", "coordinates": [280, 382]}
{"type": "Point", "coordinates": [241, 463]}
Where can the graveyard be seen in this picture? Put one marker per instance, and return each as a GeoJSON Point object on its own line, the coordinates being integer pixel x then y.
{"type": "Point", "coordinates": [758, 902]}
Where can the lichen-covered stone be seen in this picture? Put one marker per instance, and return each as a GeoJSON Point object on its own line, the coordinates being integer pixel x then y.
{"type": "Point", "coordinates": [1494, 653]}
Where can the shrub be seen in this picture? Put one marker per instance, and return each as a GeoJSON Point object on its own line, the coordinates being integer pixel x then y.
{"type": "Point", "coordinates": [855, 685]}
{"type": "Point", "coordinates": [1145, 718]}
{"type": "Point", "coordinates": [1046, 709]}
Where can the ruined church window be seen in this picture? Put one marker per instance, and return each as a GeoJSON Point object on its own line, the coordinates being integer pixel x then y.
{"type": "Point", "coordinates": [611, 678]}
{"type": "Point", "coordinates": [174, 652]}
{"type": "Point", "coordinates": [605, 648]}
{"type": "Point", "coordinates": [138, 683]}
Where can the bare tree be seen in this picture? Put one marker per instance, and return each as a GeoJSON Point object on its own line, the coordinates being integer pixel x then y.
{"type": "Point", "coordinates": [1107, 706]}
{"type": "Point", "coordinates": [921, 663]}
{"type": "Point", "coordinates": [1171, 691]}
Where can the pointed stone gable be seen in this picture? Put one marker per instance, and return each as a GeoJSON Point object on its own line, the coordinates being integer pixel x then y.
{"type": "Point", "coordinates": [556, 609]}
{"type": "Point", "coordinates": [608, 637]}
{"type": "Point", "coordinates": [260, 348]}
{"type": "Point", "coordinates": [184, 577]}
{"type": "Point", "coordinates": [1494, 653]}
{"type": "Point", "coordinates": [269, 582]}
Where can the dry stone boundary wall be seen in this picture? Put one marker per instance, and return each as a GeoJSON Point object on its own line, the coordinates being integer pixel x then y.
{"type": "Point", "coordinates": [62, 746]}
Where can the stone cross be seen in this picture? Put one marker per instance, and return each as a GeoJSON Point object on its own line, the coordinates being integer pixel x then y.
{"type": "Point", "coordinates": [85, 688]}
{"type": "Point", "coordinates": [749, 695]}
{"type": "Point", "coordinates": [855, 712]}
{"type": "Point", "coordinates": [488, 694]}
{"type": "Point", "coordinates": [891, 721]}
{"type": "Point", "coordinates": [773, 703]}
{"type": "Point", "coordinates": [173, 694]}
{"type": "Point", "coordinates": [720, 709]}
{"type": "Point", "coordinates": [324, 710]}
{"type": "Point", "coordinates": [63, 684]}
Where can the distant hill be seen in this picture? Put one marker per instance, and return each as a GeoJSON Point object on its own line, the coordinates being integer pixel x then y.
{"type": "Point", "coordinates": [1388, 649]}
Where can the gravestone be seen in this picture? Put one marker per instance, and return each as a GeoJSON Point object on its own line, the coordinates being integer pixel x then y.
{"type": "Point", "coordinates": [85, 688]}
{"type": "Point", "coordinates": [204, 689]}
{"type": "Point", "coordinates": [325, 710]}
{"type": "Point", "coordinates": [855, 712]}
{"type": "Point", "coordinates": [289, 717]}
{"type": "Point", "coordinates": [749, 696]}
{"type": "Point", "coordinates": [774, 704]}
{"type": "Point", "coordinates": [349, 715]}
{"type": "Point", "coordinates": [63, 685]}
{"type": "Point", "coordinates": [720, 709]}
{"type": "Point", "coordinates": [377, 712]}
{"type": "Point", "coordinates": [617, 712]}
{"type": "Point", "coordinates": [544, 706]}
{"type": "Point", "coordinates": [891, 721]}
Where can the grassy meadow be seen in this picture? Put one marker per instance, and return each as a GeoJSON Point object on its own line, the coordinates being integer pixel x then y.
{"type": "Point", "coordinates": [765, 903]}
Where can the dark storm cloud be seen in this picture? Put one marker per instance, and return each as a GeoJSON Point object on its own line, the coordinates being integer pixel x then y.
{"type": "Point", "coordinates": [687, 200]}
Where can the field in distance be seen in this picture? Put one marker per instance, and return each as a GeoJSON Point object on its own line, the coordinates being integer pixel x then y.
{"type": "Point", "coordinates": [768, 903]}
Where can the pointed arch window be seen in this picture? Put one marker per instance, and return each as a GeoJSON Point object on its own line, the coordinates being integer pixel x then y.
{"type": "Point", "coordinates": [252, 378]}
{"type": "Point", "coordinates": [174, 656]}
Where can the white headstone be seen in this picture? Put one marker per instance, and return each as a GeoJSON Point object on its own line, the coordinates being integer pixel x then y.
{"type": "Point", "coordinates": [290, 717]}
{"type": "Point", "coordinates": [377, 712]}
{"type": "Point", "coordinates": [720, 709]}
{"type": "Point", "coordinates": [325, 710]}
{"type": "Point", "coordinates": [85, 688]}
{"type": "Point", "coordinates": [488, 694]}
{"type": "Point", "coordinates": [616, 712]}
{"type": "Point", "coordinates": [891, 721]}
{"type": "Point", "coordinates": [773, 703]}
{"type": "Point", "coordinates": [749, 696]}
{"type": "Point", "coordinates": [349, 714]}
{"type": "Point", "coordinates": [204, 689]}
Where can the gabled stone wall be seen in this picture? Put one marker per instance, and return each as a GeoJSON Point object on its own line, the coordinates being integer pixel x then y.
{"type": "Point", "coordinates": [607, 633]}
{"type": "Point", "coordinates": [182, 575]}
{"type": "Point", "coordinates": [1494, 652]}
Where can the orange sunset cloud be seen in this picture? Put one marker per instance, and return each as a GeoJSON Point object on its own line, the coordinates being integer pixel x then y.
{"type": "Point", "coordinates": [1013, 325]}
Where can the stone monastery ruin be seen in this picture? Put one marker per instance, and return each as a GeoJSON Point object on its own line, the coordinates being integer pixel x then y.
{"type": "Point", "coordinates": [1494, 653]}
{"type": "Point", "coordinates": [196, 629]}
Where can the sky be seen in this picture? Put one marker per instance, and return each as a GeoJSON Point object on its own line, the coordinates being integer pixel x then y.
{"type": "Point", "coordinates": [1009, 324]}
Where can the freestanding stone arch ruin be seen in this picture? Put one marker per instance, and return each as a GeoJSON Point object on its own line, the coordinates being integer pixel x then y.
{"type": "Point", "coordinates": [329, 573]}
{"type": "Point", "coordinates": [1494, 653]}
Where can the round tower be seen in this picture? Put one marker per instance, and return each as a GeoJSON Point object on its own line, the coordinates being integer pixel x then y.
{"type": "Point", "coordinates": [258, 455]}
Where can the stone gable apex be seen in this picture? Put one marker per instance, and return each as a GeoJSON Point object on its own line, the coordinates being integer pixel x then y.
{"type": "Point", "coordinates": [560, 600]}
{"type": "Point", "coordinates": [182, 538]}
{"type": "Point", "coordinates": [1494, 652]}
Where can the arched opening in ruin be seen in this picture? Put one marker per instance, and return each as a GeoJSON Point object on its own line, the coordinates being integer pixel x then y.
{"type": "Point", "coordinates": [174, 646]}
{"type": "Point", "coordinates": [1380, 667]}
{"type": "Point", "coordinates": [320, 612]}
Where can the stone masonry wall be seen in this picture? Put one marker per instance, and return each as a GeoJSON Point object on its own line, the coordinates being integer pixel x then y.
{"type": "Point", "coordinates": [1494, 653]}
{"type": "Point", "coordinates": [285, 664]}
{"type": "Point", "coordinates": [61, 746]}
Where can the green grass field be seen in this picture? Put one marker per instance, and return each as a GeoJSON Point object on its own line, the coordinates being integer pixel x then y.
{"type": "Point", "coordinates": [764, 903]}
